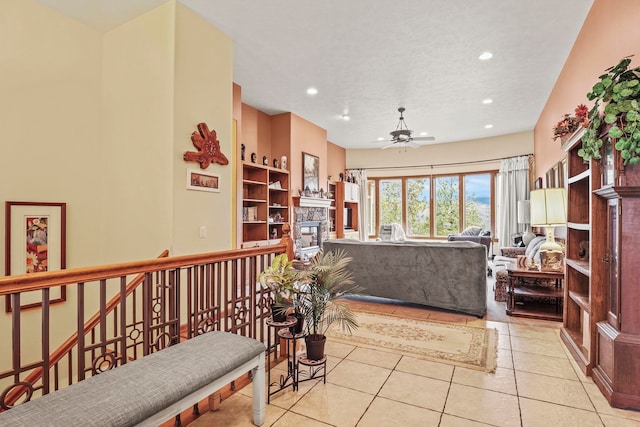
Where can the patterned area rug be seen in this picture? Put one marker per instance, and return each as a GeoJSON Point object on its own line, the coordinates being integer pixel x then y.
{"type": "Point", "coordinates": [459, 345]}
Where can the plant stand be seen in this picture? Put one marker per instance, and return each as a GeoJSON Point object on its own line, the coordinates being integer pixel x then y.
{"type": "Point", "coordinates": [312, 369]}
{"type": "Point", "coordinates": [281, 332]}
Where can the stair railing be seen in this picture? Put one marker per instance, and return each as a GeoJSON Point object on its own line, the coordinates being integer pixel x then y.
{"type": "Point", "coordinates": [141, 307]}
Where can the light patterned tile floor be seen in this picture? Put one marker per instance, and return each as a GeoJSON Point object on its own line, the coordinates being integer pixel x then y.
{"type": "Point", "coordinates": [535, 384]}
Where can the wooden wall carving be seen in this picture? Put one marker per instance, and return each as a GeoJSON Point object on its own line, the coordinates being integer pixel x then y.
{"type": "Point", "coordinates": [206, 141]}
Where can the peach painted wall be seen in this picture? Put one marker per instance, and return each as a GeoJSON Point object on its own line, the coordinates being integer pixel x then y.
{"type": "Point", "coordinates": [336, 161]}
{"type": "Point", "coordinates": [255, 127]}
{"type": "Point", "coordinates": [610, 32]}
{"type": "Point", "coordinates": [281, 137]}
{"type": "Point", "coordinates": [309, 138]}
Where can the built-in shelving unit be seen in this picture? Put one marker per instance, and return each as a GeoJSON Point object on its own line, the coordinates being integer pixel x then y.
{"type": "Point", "coordinates": [347, 201]}
{"type": "Point", "coordinates": [331, 189]}
{"type": "Point", "coordinates": [584, 299]}
{"type": "Point", "coordinates": [265, 203]}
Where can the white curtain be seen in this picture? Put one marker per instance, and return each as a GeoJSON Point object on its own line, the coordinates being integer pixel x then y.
{"type": "Point", "coordinates": [361, 179]}
{"type": "Point", "coordinates": [512, 185]}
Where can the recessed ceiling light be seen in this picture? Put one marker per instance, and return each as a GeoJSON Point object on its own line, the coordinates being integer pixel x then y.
{"type": "Point", "coordinates": [488, 126]}
{"type": "Point", "coordinates": [485, 55]}
{"type": "Point", "coordinates": [487, 101]}
{"type": "Point", "coordinates": [346, 118]}
{"type": "Point", "coordinates": [380, 138]}
{"type": "Point", "coordinates": [424, 133]}
{"type": "Point", "coordinates": [312, 91]}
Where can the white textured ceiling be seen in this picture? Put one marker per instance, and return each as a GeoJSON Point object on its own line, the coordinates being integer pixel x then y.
{"type": "Point", "coordinates": [367, 58]}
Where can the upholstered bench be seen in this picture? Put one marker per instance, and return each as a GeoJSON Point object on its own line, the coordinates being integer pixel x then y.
{"type": "Point", "coordinates": [151, 390]}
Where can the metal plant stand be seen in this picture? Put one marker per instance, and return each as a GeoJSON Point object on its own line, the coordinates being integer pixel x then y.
{"type": "Point", "coordinates": [280, 330]}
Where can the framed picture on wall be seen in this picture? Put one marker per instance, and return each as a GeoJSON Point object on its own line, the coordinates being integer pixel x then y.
{"type": "Point", "coordinates": [35, 243]}
{"type": "Point", "coordinates": [310, 172]}
{"type": "Point", "coordinates": [202, 181]}
{"type": "Point", "coordinates": [538, 183]}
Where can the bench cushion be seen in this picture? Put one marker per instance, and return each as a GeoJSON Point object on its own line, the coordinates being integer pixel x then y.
{"type": "Point", "coordinates": [136, 390]}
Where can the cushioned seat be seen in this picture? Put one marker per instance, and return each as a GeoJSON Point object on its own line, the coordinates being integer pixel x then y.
{"type": "Point", "coordinates": [509, 255]}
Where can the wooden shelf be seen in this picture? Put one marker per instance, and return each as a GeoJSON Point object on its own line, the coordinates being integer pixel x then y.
{"type": "Point", "coordinates": [579, 324]}
{"type": "Point", "coordinates": [581, 299]}
{"type": "Point", "coordinates": [579, 265]}
{"type": "Point", "coordinates": [579, 226]}
{"type": "Point", "coordinates": [265, 202]}
{"type": "Point", "coordinates": [579, 177]}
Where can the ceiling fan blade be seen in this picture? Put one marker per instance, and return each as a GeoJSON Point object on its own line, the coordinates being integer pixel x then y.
{"type": "Point", "coordinates": [402, 144]}
{"type": "Point", "coordinates": [424, 138]}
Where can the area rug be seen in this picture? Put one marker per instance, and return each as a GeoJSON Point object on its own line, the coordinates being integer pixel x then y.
{"type": "Point", "coordinates": [460, 345]}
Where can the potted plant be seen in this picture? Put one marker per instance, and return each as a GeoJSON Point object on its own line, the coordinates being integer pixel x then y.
{"type": "Point", "coordinates": [569, 124]}
{"type": "Point", "coordinates": [281, 279]}
{"type": "Point", "coordinates": [320, 299]}
{"type": "Point", "coordinates": [619, 90]}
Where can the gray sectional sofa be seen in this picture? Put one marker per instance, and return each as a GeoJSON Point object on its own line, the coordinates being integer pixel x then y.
{"type": "Point", "coordinates": [449, 275]}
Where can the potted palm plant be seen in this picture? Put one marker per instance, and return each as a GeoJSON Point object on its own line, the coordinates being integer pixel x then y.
{"type": "Point", "coordinates": [319, 299]}
{"type": "Point", "coordinates": [281, 279]}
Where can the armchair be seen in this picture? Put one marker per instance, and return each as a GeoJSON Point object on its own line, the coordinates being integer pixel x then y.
{"type": "Point", "coordinates": [509, 255]}
{"type": "Point", "coordinates": [473, 234]}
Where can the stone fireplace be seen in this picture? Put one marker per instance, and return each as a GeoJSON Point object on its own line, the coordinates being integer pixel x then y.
{"type": "Point", "coordinates": [310, 228]}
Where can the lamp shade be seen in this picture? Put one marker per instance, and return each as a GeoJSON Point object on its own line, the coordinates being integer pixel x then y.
{"type": "Point", "coordinates": [523, 212]}
{"type": "Point", "coordinates": [548, 207]}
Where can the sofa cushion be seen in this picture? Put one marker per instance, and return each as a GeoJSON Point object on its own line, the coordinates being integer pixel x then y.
{"type": "Point", "coordinates": [471, 231]}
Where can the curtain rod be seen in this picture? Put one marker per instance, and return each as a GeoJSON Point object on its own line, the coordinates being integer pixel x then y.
{"type": "Point", "coordinates": [439, 164]}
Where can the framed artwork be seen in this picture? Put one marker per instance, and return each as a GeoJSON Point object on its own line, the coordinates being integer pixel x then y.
{"type": "Point", "coordinates": [538, 183]}
{"type": "Point", "coordinates": [562, 172]}
{"type": "Point", "coordinates": [310, 172]}
{"type": "Point", "coordinates": [35, 242]}
{"type": "Point", "coordinates": [202, 181]}
{"type": "Point", "coordinates": [551, 177]}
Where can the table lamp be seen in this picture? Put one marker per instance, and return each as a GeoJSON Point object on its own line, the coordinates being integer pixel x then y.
{"type": "Point", "coordinates": [549, 210]}
{"type": "Point", "coordinates": [524, 217]}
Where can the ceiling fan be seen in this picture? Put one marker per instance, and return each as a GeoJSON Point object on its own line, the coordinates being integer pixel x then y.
{"type": "Point", "coordinates": [401, 137]}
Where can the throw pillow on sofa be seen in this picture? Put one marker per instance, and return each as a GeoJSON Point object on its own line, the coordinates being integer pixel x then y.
{"type": "Point", "coordinates": [533, 248]}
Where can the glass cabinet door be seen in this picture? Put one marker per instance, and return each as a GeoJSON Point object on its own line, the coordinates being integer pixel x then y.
{"type": "Point", "coordinates": [608, 164]}
{"type": "Point", "coordinates": [613, 243]}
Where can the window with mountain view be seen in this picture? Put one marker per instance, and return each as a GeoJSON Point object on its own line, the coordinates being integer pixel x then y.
{"type": "Point", "coordinates": [433, 206]}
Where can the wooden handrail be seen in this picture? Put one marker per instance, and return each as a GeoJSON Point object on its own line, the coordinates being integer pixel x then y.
{"type": "Point", "coordinates": [34, 282]}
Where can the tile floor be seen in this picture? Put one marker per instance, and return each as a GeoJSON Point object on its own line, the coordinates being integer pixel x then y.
{"type": "Point", "coordinates": [535, 384]}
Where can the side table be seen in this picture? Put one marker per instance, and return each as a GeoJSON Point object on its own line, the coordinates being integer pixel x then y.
{"type": "Point", "coordinates": [281, 330]}
{"type": "Point", "coordinates": [518, 288]}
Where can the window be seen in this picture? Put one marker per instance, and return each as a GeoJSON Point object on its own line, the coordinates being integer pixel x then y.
{"type": "Point", "coordinates": [371, 207]}
{"type": "Point", "coordinates": [477, 201]}
{"type": "Point", "coordinates": [390, 201]}
{"type": "Point", "coordinates": [447, 205]}
{"type": "Point", "coordinates": [418, 206]}
{"type": "Point", "coordinates": [433, 206]}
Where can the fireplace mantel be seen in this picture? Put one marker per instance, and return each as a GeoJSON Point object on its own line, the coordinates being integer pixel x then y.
{"type": "Point", "coordinates": [311, 202]}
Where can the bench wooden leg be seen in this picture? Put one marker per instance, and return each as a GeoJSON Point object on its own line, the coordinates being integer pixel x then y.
{"type": "Point", "coordinates": [259, 392]}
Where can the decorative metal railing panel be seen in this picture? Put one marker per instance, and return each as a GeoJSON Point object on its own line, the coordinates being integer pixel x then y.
{"type": "Point", "coordinates": [124, 312]}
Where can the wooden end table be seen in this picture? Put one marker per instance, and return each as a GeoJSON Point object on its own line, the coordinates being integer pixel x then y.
{"type": "Point", "coordinates": [526, 283]}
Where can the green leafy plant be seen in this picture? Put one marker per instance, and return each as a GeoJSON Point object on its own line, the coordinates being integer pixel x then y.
{"type": "Point", "coordinates": [320, 297]}
{"type": "Point", "coordinates": [619, 90]}
{"type": "Point", "coordinates": [281, 278]}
